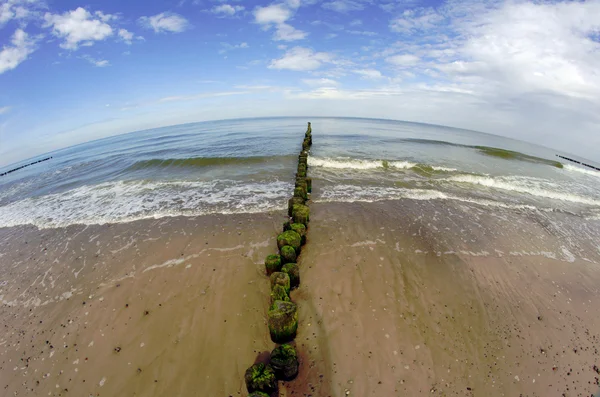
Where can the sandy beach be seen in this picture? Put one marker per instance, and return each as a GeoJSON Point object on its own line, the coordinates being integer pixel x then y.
{"type": "Point", "coordinates": [396, 298]}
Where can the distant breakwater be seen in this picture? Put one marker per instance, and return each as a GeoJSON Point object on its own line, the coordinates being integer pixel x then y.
{"type": "Point", "coordinates": [578, 162]}
{"type": "Point", "coordinates": [284, 275]}
{"type": "Point", "coordinates": [26, 165]}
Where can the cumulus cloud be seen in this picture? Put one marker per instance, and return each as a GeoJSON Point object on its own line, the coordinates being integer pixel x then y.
{"type": "Point", "coordinates": [227, 9]}
{"type": "Point", "coordinates": [301, 59]}
{"type": "Point", "coordinates": [12, 55]}
{"type": "Point", "coordinates": [276, 16]}
{"type": "Point", "coordinates": [165, 22]}
{"type": "Point", "coordinates": [79, 27]}
{"type": "Point", "coordinates": [126, 36]}
{"type": "Point", "coordinates": [18, 10]}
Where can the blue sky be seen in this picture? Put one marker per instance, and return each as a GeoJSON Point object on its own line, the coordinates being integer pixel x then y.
{"type": "Point", "coordinates": [73, 71]}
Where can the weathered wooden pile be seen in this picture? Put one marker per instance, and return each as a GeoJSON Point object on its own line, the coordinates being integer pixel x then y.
{"type": "Point", "coordinates": [262, 378]}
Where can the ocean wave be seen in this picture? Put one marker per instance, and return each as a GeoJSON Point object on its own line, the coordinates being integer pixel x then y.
{"type": "Point", "coordinates": [117, 202]}
{"type": "Point", "coordinates": [581, 170]}
{"type": "Point", "coordinates": [360, 164]}
{"type": "Point", "coordinates": [353, 193]}
{"type": "Point", "coordinates": [204, 161]}
{"type": "Point", "coordinates": [531, 186]}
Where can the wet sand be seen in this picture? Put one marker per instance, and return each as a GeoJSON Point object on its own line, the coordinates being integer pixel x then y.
{"type": "Point", "coordinates": [396, 298]}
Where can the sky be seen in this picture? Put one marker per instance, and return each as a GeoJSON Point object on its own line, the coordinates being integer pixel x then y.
{"type": "Point", "coordinates": [73, 71]}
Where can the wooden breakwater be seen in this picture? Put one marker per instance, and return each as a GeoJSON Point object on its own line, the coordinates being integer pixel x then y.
{"type": "Point", "coordinates": [262, 379]}
{"type": "Point", "coordinates": [23, 166]}
{"type": "Point", "coordinates": [578, 162]}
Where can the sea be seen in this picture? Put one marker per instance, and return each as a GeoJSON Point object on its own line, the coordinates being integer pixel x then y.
{"type": "Point", "coordinates": [248, 165]}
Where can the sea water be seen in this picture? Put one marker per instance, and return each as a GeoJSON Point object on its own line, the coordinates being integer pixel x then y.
{"type": "Point", "coordinates": [248, 165]}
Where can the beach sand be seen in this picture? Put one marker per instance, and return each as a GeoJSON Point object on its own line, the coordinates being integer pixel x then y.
{"type": "Point", "coordinates": [397, 298]}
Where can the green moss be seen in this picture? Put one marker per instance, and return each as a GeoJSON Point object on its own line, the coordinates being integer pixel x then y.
{"type": "Point", "coordinates": [288, 254]}
{"type": "Point", "coordinates": [282, 279]}
{"type": "Point", "coordinates": [289, 237]}
{"type": "Point", "coordinates": [283, 321]}
{"type": "Point", "coordinates": [293, 201]}
{"type": "Point", "coordinates": [309, 185]}
{"type": "Point", "coordinates": [278, 294]}
{"type": "Point", "coordinates": [258, 394]}
{"type": "Point", "coordinates": [272, 264]}
{"type": "Point", "coordinates": [301, 230]}
{"type": "Point", "coordinates": [301, 174]}
{"type": "Point", "coordinates": [300, 192]}
{"type": "Point", "coordinates": [284, 360]}
{"type": "Point", "coordinates": [301, 214]}
{"type": "Point", "coordinates": [385, 164]}
{"type": "Point", "coordinates": [261, 378]}
{"type": "Point", "coordinates": [293, 271]}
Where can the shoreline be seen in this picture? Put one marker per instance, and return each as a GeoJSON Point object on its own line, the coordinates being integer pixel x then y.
{"type": "Point", "coordinates": [378, 280]}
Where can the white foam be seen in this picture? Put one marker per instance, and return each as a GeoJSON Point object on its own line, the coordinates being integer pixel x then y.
{"type": "Point", "coordinates": [581, 170]}
{"type": "Point", "coordinates": [116, 202]}
{"type": "Point", "coordinates": [525, 185]}
{"type": "Point", "coordinates": [344, 163]}
{"type": "Point", "coordinates": [403, 165]}
{"type": "Point", "coordinates": [352, 193]}
{"type": "Point", "coordinates": [446, 169]}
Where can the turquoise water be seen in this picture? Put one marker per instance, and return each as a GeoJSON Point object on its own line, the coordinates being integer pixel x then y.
{"type": "Point", "coordinates": [248, 166]}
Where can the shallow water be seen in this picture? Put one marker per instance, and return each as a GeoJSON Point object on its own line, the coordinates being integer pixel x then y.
{"type": "Point", "coordinates": [247, 166]}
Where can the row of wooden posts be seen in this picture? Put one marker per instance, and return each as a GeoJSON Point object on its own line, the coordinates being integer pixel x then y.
{"type": "Point", "coordinates": [282, 269]}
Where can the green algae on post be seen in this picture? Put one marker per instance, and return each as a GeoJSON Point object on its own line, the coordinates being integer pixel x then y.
{"type": "Point", "coordinates": [288, 254]}
{"type": "Point", "coordinates": [293, 201]}
{"type": "Point", "coordinates": [301, 230]}
{"type": "Point", "coordinates": [289, 237]}
{"type": "Point", "coordinates": [260, 378]}
{"type": "Point", "coordinates": [293, 271]}
{"type": "Point", "coordinates": [300, 214]}
{"type": "Point", "coordinates": [279, 278]}
{"type": "Point", "coordinates": [278, 294]}
{"type": "Point", "coordinates": [308, 185]}
{"type": "Point", "coordinates": [283, 321]}
{"type": "Point", "coordinates": [272, 264]}
{"type": "Point", "coordinates": [258, 394]}
{"type": "Point", "coordinates": [284, 361]}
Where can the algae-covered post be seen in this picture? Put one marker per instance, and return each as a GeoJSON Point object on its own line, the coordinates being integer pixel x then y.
{"type": "Point", "coordinates": [284, 276]}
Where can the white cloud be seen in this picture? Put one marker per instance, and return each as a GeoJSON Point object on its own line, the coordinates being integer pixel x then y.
{"type": "Point", "coordinates": [18, 9]}
{"type": "Point", "coordinates": [412, 21]}
{"type": "Point", "coordinates": [320, 82]}
{"type": "Point", "coordinates": [79, 27]}
{"type": "Point", "coordinates": [227, 9]}
{"type": "Point", "coordinates": [12, 55]}
{"type": "Point", "coordinates": [228, 47]}
{"type": "Point", "coordinates": [126, 36]}
{"type": "Point", "coordinates": [101, 63]}
{"type": "Point", "coordinates": [344, 5]}
{"type": "Point", "coordinates": [301, 59]}
{"type": "Point", "coordinates": [369, 74]}
{"type": "Point", "coordinates": [285, 32]}
{"type": "Point", "coordinates": [277, 15]}
{"type": "Point", "coordinates": [4, 109]}
{"type": "Point", "coordinates": [165, 22]}
{"type": "Point", "coordinates": [273, 14]}
{"type": "Point", "coordinates": [403, 60]}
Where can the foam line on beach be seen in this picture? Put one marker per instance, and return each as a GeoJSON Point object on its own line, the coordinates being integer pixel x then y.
{"type": "Point", "coordinates": [121, 202]}
{"type": "Point", "coordinates": [346, 163]}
